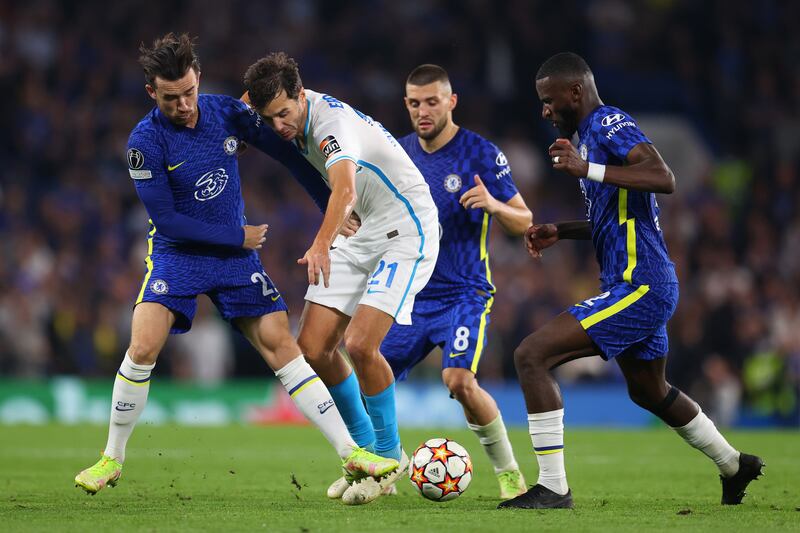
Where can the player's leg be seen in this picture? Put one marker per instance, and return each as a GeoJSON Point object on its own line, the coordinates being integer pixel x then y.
{"type": "Point", "coordinates": [462, 335]}
{"type": "Point", "coordinates": [649, 389]}
{"type": "Point", "coordinates": [560, 340]}
{"type": "Point", "coordinates": [270, 336]}
{"type": "Point", "coordinates": [321, 331]}
{"type": "Point", "coordinates": [484, 419]}
{"type": "Point", "coordinates": [150, 328]}
{"type": "Point", "coordinates": [362, 340]}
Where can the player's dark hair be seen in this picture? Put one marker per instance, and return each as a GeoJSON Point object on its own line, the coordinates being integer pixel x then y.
{"type": "Point", "coordinates": [428, 73]}
{"type": "Point", "coordinates": [564, 65]}
{"type": "Point", "coordinates": [267, 77]}
{"type": "Point", "coordinates": [169, 58]}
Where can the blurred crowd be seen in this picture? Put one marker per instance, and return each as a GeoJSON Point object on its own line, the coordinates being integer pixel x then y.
{"type": "Point", "coordinates": [715, 84]}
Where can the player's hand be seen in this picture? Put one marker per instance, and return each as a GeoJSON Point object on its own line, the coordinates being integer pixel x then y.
{"type": "Point", "coordinates": [351, 225]}
{"type": "Point", "coordinates": [565, 157]}
{"type": "Point", "coordinates": [540, 236]}
{"type": "Point", "coordinates": [254, 236]}
{"type": "Point", "coordinates": [317, 258]}
{"type": "Point", "coordinates": [479, 197]}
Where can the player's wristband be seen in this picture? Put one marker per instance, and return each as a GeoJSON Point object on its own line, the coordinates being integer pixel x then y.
{"type": "Point", "coordinates": [596, 172]}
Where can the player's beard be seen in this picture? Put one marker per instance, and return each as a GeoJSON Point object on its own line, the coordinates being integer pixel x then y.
{"type": "Point", "coordinates": [433, 132]}
{"type": "Point", "coordinates": [568, 124]}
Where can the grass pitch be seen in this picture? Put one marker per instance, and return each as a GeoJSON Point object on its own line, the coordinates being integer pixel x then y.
{"type": "Point", "coordinates": [274, 478]}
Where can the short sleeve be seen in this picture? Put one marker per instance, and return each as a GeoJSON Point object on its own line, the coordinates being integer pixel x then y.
{"type": "Point", "coordinates": [333, 132]}
{"type": "Point", "coordinates": [497, 173]}
{"type": "Point", "coordinates": [618, 133]}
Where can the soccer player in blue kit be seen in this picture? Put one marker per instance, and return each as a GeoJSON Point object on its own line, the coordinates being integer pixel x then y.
{"type": "Point", "coordinates": [182, 158]}
{"type": "Point", "coordinates": [620, 171]}
{"type": "Point", "coordinates": [471, 183]}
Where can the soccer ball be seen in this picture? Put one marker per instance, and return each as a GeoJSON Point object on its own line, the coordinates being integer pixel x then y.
{"type": "Point", "coordinates": [440, 469]}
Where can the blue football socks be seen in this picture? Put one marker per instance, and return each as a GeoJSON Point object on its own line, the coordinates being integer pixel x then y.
{"type": "Point", "coordinates": [383, 413]}
{"type": "Point", "coordinates": [347, 396]}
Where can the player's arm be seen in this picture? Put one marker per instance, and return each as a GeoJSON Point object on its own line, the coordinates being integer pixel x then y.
{"type": "Point", "coordinates": [342, 179]}
{"type": "Point", "coordinates": [252, 129]}
{"type": "Point", "coordinates": [513, 215]}
{"type": "Point", "coordinates": [146, 168]}
{"type": "Point", "coordinates": [160, 205]}
{"type": "Point", "coordinates": [541, 236]}
{"type": "Point", "coordinates": [645, 170]}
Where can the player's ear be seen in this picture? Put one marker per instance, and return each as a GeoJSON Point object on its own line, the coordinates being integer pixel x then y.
{"type": "Point", "coordinates": [576, 91]}
{"type": "Point", "coordinates": [150, 90]}
{"type": "Point", "coordinates": [453, 101]}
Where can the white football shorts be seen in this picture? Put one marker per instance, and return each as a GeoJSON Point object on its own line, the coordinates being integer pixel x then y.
{"type": "Point", "coordinates": [384, 268]}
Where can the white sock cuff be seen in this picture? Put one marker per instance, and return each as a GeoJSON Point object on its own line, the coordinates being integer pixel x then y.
{"type": "Point", "coordinates": [134, 371]}
{"type": "Point", "coordinates": [699, 418]}
{"type": "Point", "coordinates": [547, 415]}
{"type": "Point", "coordinates": [491, 432]}
{"type": "Point", "coordinates": [295, 371]}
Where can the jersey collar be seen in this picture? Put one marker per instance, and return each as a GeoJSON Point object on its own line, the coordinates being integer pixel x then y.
{"type": "Point", "coordinates": [587, 121]}
{"type": "Point", "coordinates": [304, 151]}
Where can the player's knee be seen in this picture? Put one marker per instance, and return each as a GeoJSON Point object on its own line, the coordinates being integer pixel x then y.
{"type": "Point", "coordinates": [143, 353]}
{"type": "Point", "coordinates": [527, 359]}
{"type": "Point", "coordinates": [461, 384]}
{"type": "Point", "coordinates": [313, 350]}
{"type": "Point", "coordinates": [358, 347]}
{"type": "Point", "coordinates": [643, 397]}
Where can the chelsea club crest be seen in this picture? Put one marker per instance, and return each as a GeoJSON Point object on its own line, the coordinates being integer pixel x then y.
{"type": "Point", "coordinates": [230, 145]}
{"type": "Point", "coordinates": [452, 183]}
{"type": "Point", "coordinates": [159, 286]}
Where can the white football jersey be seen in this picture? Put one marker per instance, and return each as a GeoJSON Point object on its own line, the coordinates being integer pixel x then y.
{"type": "Point", "coordinates": [392, 194]}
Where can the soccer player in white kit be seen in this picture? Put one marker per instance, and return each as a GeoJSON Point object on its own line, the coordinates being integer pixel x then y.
{"type": "Point", "coordinates": [369, 280]}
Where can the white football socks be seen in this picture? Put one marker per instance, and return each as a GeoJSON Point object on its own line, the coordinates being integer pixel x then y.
{"type": "Point", "coordinates": [701, 433]}
{"type": "Point", "coordinates": [127, 403]}
{"type": "Point", "coordinates": [494, 439]}
{"type": "Point", "coordinates": [547, 434]}
{"type": "Point", "coordinates": [313, 399]}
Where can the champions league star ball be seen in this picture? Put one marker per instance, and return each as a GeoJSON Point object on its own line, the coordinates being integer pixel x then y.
{"type": "Point", "coordinates": [440, 469]}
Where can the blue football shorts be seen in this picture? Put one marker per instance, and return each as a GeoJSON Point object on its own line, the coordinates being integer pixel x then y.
{"type": "Point", "coordinates": [629, 320]}
{"type": "Point", "coordinates": [457, 325]}
{"type": "Point", "coordinates": [238, 286]}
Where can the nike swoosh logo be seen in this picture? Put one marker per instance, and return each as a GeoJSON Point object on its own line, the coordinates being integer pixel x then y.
{"type": "Point", "coordinates": [581, 305]}
{"type": "Point", "coordinates": [322, 411]}
{"type": "Point", "coordinates": [370, 291]}
{"type": "Point", "coordinates": [274, 298]}
{"type": "Point", "coordinates": [128, 409]}
{"type": "Point", "coordinates": [170, 168]}
{"type": "Point", "coordinates": [457, 354]}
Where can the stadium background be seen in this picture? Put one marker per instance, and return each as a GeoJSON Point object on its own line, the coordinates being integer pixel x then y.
{"type": "Point", "coordinates": [715, 84]}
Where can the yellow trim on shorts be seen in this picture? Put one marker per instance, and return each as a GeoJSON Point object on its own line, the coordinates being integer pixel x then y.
{"type": "Point", "coordinates": [481, 335]}
{"type": "Point", "coordinates": [591, 320]}
{"type": "Point", "coordinates": [305, 386]}
{"type": "Point", "coordinates": [482, 326]}
{"type": "Point", "coordinates": [147, 261]}
{"type": "Point", "coordinates": [630, 239]}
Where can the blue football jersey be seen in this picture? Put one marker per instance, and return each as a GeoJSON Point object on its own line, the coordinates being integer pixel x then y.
{"type": "Point", "coordinates": [625, 229]}
{"type": "Point", "coordinates": [197, 170]}
{"type": "Point", "coordinates": [463, 262]}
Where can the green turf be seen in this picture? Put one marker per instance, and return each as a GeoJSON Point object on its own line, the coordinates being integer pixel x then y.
{"type": "Point", "coordinates": [241, 479]}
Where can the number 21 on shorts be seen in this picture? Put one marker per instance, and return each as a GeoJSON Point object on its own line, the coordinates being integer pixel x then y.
{"type": "Point", "coordinates": [383, 276]}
